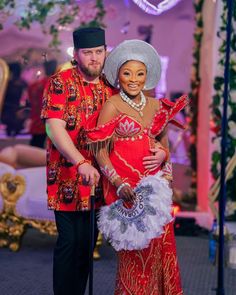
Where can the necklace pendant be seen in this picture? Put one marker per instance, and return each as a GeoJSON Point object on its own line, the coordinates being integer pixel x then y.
{"type": "Point", "coordinates": [141, 113]}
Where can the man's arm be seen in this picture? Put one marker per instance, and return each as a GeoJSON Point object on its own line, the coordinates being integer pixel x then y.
{"type": "Point", "coordinates": [160, 153]}
{"type": "Point", "coordinates": [159, 156]}
{"type": "Point", "coordinates": [56, 131]}
{"type": "Point", "coordinates": [167, 165]}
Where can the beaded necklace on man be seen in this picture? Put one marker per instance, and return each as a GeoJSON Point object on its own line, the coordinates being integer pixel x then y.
{"type": "Point", "coordinates": [136, 106]}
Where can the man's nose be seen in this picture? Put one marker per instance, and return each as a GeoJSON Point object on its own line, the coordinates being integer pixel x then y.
{"type": "Point", "coordinates": [94, 56]}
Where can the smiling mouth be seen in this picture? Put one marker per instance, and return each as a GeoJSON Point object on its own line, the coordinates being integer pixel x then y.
{"type": "Point", "coordinates": [132, 86]}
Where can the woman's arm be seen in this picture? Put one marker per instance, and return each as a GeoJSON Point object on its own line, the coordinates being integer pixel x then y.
{"type": "Point", "coordinates": [108, 113]}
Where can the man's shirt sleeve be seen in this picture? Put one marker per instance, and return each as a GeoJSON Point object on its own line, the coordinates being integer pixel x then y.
{"type": "Point", "coordinates": [54, 98]}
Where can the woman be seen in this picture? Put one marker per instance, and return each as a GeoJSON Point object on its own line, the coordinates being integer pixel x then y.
{"type": "Point", "coordinates": [129, 125]}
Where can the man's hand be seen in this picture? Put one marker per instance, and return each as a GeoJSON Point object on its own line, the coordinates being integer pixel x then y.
{"type": "Point", "coordinates": [153, 162]}
{"type": "Point", "coordinates": [89, 174]}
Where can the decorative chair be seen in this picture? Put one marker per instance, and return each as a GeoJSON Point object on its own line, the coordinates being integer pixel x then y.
{"type": "Point", "coordinates": [4, 76]}
{"type": "Point", "coordinates": [23, 204]}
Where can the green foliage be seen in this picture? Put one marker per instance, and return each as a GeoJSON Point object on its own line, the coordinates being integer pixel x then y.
{"type": "Point", "coordinates": [39, 11]}
{"type": "Point", "coordinates": [195, 82]}
{"type": "Point", "coordinates": [98, 20]}
{"type": "Point", "coordinates": [6, 4]}
{"type": "Point", "coordinates": [218, 101]}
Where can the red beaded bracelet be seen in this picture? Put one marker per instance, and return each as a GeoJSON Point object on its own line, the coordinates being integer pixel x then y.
{"type": "Point", "coordinates": [82, 162]}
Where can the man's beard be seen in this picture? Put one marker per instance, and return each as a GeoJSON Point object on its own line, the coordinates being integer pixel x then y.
{"type": "Point", "coordinates": [88, 72]}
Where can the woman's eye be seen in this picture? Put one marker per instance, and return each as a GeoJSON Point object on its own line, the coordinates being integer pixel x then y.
{"type": "Point", "coordinates": [140, 74]}
{"type": "Point", "coordinates": [126, 73]}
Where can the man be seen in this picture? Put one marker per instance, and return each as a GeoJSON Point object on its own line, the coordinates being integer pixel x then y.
{"type": "Point", "coordinates": [35, 94]}
{"type": "Point", "coordinates": [70, 98]}
{"type": "Point", "coordinates": [13, 114]}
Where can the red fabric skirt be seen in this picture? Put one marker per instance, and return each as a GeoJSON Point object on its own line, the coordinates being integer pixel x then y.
{"type": "Point", "coordinates": [153, 270]}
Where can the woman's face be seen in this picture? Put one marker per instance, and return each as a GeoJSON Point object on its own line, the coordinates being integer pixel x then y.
{"type": "Point", "coordinates": [132, 77]}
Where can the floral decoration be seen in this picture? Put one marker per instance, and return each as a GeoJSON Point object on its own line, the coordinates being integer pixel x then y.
{"type": "Point", "coordinates": [217, 105]}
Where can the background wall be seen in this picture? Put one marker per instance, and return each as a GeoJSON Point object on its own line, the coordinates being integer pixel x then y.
{"type": "Point", "coordinates": [172, 36]}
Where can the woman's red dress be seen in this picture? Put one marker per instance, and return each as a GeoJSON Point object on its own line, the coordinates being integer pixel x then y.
{"type": "Point", "coordinates": [153, 270]}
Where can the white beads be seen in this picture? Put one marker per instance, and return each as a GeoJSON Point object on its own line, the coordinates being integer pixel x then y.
{"type": "Point", "coordinates": [137, 106]}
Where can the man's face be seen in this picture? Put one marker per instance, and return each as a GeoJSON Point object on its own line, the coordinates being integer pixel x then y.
{"type": "Point", "coordinates": [90, 60]}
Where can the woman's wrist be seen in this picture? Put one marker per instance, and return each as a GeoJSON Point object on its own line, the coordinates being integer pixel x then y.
{"type": "Point", "coordinates": [117, 182]}
{"type": "Point", "coordinates": [123, 184]}
{"type": "Point", "coordinates": [110, 173]}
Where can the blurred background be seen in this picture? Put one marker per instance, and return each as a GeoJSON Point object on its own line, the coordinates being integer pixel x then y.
{"type": "Point", "coordinates": [190, 37]}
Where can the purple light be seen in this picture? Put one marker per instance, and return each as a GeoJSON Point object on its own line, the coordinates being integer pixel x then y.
{"type": "Point", "coordinates": [127, 3]}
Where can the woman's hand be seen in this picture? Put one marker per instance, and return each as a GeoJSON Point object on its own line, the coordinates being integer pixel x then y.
{"type": "Point", "coordinates": [126, 193]}
{"type": "Point", "coordinates": [89, 174]}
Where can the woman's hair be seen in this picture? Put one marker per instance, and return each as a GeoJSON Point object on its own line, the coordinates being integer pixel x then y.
{"type": "Point", "coordinates": [15, 69]}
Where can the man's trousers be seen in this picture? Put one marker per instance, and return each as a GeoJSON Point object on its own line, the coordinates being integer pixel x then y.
{"type": "Point", "coordinates": [71, 253]}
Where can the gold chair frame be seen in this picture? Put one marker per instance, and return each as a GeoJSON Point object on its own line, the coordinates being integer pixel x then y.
{"type": "Point", "coordinates": [4, 77]}
{"type": "Point", "coordinates": [12, 225]}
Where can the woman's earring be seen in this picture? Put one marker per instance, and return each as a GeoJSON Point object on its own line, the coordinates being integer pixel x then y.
{"type": "Point", "coordinates": [144, 87]}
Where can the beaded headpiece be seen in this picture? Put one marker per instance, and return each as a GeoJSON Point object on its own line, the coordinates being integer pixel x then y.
{"type": "Point", "coordinates": [133, 50]}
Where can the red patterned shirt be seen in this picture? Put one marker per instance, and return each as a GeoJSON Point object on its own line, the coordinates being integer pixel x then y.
{"type": "Point", "coordinates": [69, 98]}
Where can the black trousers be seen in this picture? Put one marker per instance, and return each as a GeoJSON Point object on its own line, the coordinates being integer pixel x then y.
{"type": "Point", "coordinates": [71, 253]}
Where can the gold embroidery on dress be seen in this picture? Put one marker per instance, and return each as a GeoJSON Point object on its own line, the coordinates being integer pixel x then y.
{"type": "Point", "coordinates": [157, 275]}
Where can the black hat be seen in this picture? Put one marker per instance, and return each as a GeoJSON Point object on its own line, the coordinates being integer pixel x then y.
{"type": "Point", "coordinates": [89, 38]}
